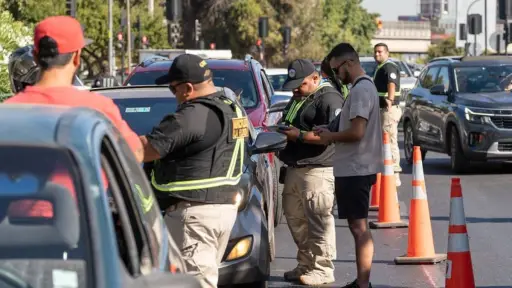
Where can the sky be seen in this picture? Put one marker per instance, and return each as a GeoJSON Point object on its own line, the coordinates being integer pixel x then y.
{"type": "Point", "coordinates": [391, 9]}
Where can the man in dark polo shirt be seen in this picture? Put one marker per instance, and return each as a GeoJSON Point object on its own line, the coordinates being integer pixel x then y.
{"type": "Point", "coordinates": [308, 195]}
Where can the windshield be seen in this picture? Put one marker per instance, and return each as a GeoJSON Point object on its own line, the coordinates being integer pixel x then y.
{"type": "Point", "coordinates": [278, 81]}
{"type": "Point", "coordinates": [370, 66]}
{"type": "Point", "coordinates": [142, 114]}
{"type": "Point", "coordinates": [483, 79]}
{"type": "Point", "coordinates": [40, 210]}
{"type": "Point", "coordinates": [233, 79]}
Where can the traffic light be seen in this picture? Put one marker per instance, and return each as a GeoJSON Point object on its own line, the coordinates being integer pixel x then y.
{"type": "Point", "coordinates": [145, 42]}
{"type": "Point", "coordinates": [379, 24]}
{"type": "Point", "coordinates": [173, 10]}
{"type": "Point", "coordinates": [71, 8]}
{"type": "Point", "coordinates": [502, 9]}
{"type": "Point", "coordinates": [263, 27]}
{"type": "Point", "coordinates": [120, 42]}
{"type": "Point", "coordinates": [287, 35]}
{"type": "Point", "coordinates": [137, 25]}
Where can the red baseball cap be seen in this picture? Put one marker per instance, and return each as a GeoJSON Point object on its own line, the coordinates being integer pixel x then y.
{"type": "Point", "coordinates": [65, 30]}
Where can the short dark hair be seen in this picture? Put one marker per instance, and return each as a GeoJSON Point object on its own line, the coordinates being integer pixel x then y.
{"type": "Point", "coordinates": [381, 45]}
{"type": "Point", "coordinates": [344, 50]}
{"type": "Point", "coordinates": [48, 55]}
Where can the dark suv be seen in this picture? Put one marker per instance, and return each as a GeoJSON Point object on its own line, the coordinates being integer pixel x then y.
{"type": "Point", "coordinates": [461, 107]}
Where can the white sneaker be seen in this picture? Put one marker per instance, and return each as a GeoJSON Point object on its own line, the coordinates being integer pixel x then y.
{"type": "Point", "coordinates": [397, 180]}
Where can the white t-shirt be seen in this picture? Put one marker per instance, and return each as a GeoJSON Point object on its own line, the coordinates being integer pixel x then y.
{"type": "Point", "coordinates": [366, 156]}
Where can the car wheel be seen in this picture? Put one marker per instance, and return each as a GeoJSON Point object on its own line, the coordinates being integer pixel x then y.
{"type": "Point", "coordinates": [409, 143]}
{"type": "Point", "coordinates": [458, 161]}
{"type": "Point", "coordinates": [278, 193]}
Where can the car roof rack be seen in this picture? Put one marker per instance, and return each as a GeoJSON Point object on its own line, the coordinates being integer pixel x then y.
{"type": "Point", "coordinates": [450, 59]}
{"type": "Point", "coordinates": [486, 57]}
{"type": "Point", "coordinates": [248, 57]}
{"type": "Point", "coordinates": [153, 59]}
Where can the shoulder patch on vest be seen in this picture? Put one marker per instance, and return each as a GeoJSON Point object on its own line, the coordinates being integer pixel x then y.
{"type": "Point", "coordinates": [240, 128]}
{"type": "Point", "coordinates": [337, 112]}
{"type": "Point", "coordinates": [392, 76]}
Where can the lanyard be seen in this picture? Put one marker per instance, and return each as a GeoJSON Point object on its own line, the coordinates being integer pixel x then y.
{"type": "Point", "coordinates": [292, 113]}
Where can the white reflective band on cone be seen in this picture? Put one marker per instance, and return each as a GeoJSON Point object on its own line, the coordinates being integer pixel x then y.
{"type": "Point", "coordinates": [417, 171]}
{"type": "Point", "coordinates": [457, 216]}
{"type": "Point", "coordinates": [418, 193]}
{"type": "Point", "coordinates": [389, 170]}
{"type": "Point", "coordinates": [458, 242]}
{"type": "Point", "coordinates": [387, 152]}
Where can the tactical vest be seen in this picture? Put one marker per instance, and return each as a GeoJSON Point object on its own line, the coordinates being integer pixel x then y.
{"type": "Point", "coordinates": [385, 92]}
{"type": "Point", "coordinates": [211, 175]}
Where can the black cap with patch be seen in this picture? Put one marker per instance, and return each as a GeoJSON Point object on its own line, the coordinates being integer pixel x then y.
{"type": "Point", "coordinates": [187, 68]}
{"type": "Point", "coordinates": [297, 71]}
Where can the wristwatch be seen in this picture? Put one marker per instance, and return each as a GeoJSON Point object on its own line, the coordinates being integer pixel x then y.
{"type": "Point", "coordinates": [300, 139]}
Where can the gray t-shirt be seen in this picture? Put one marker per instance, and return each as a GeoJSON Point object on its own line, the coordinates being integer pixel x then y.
{"type": "Point", "coordinates": [364, 157]}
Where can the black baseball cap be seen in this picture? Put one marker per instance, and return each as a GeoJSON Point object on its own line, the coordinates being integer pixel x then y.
{"type": "Point", "coordinates": [187, 68]}
{"type": "Point", "coordinates": [297, 71]}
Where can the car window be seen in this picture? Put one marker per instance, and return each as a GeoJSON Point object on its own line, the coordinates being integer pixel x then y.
{"type": "Point", "coordinates": [236, 80]}
{"type": "Point", "coordinates": [43, 216]}
{"type": "Point", "coordinates": [369, 67]}
{"type": "Point", "coordinates": [267, 87]}
{"type": "Point", "coordinates": [145, 77]}
{"type": "Point", "coordinates": [132, 240]}
{"type": "Point", "coordinates": [428, 81]}
{"type": "Point", "coordinates": [277, 81]}
{"type": "Point", "coordinates": [443, 77]}
{"type": "Point", "coordinates": [483, 78]}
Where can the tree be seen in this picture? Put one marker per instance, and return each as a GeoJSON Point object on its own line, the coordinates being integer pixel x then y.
{"type": "Point", "coordinates": [13, 34]}
{"type": "Point", "coordinates": [445, 48]}
{"type": "Point", "coordinates": [348, 21]}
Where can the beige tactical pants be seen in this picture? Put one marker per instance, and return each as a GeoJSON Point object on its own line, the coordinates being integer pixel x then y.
{"type": "Point", "coordinates": [390, 118]}
{"type": "Point", "coordinates": [202, 231]}
{"type": "Point", "coordinates": [308, 199]}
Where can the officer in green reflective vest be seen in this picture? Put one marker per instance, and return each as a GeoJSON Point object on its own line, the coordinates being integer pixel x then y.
{"type": "Point", "coordinates": [387, 82]}
{"type": "Point", "coordinates": [198, 161]}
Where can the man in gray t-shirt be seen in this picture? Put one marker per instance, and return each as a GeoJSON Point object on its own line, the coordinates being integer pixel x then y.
{"type": "Point", "coordinates": [358, 154]}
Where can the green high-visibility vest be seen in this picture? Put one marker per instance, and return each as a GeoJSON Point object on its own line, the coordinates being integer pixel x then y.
{"type": "Point", "coordinates": [228, 179]}
{"type": "Point", "coordinates": [385, 94]}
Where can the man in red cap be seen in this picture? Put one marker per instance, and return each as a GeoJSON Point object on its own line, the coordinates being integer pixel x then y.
{"type": "Point", "coordinates": [58, 42]}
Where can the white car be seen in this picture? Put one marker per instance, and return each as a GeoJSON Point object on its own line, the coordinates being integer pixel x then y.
{"type": "Point", "coordinates": [407, 79]}
{"type": "Point", "coordinates": [277, 76]}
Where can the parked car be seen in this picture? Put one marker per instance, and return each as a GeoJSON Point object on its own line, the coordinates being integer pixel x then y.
{"type": "Point", "coordinates": [277, 77]}
{"type": "Point", "coordinates": [247, 77]}
{"type": "Point", "coordinates": [101, 226]}
{"type": "Point", "coordinates": [252, 244]}
{"type": "Point", "coordinates": [407, 79]}
{"type": "Point", "coordinates": [462, 108]}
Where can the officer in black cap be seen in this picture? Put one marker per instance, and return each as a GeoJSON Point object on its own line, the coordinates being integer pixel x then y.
{"type": "Point", "coordinates": [195, 148]}
{"type": "Point", "coordinates": [308, 194]}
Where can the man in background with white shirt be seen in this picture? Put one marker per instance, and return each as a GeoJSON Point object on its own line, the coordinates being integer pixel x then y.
{"type": "Point", "coordinates": [358, 153]}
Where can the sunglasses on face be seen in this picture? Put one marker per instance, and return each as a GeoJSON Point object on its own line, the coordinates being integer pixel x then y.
{"type": "Point", "coordinates": [337, 68]}
{"type": "Point", "coordinates": [173, 87]}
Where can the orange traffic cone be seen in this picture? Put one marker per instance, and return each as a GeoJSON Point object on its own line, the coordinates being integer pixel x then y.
{"type": "Point", "coordinates": [389, 210]}
{"type": "Point", "coordinates": [420, 249]}
{"type": "Point", "coordinates": [459, 269]}
{"type": "Point", "coordinates": [374, 201]}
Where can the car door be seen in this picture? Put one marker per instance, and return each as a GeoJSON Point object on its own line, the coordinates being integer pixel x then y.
{"type": "Point", "coordinates": [422, 105]}
{"type": "Point", "coordinates": [439, 108]}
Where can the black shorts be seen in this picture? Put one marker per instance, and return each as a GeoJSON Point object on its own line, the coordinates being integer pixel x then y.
{"type": "Point", "coordinates": [353, 196]}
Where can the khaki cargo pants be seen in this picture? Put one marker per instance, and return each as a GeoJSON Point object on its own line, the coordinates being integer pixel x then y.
{"type": "Point", "coordinates": [390, 118]}
{"type": "Point", "coordinates": [202, 232]}
{"type": "Point", "coordinates": [308, 199]}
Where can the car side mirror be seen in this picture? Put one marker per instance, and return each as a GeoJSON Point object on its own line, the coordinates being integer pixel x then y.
{"type": "Point", "coordinates": [162, 279]}
{"type": "Point", "coordinates": [438, 90]}
{"type": "Point", "coordinates": [416, 73]}
{"type": "Point", "coordinates": [268, 142]}
{"type": "Point", "coordinates": [277, 107]}
{"type": "Point", "coordinates": [402, 74]}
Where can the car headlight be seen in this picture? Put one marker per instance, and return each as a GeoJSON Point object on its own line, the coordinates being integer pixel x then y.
{"type": "Point", "coordinates": [241, 249]}
{"type": "Point", "coordinates": [475, 117]}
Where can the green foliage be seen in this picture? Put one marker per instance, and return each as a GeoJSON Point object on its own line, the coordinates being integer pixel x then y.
{"type": "Point", "coordinates": [13, 34]}
{"type": "Point", "coordinates": [356, 27]}
{"type": "Point", "coordinates": [444, 48]}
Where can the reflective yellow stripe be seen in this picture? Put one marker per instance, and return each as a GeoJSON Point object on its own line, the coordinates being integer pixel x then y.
{"type": "Point", "coordinates": [229, 179]}
{"type": "Point", "coordinates": [385, 94]}
{"type": "Point", "coordinates": [147, 202]}
{"type": "Point", "coordinates": [292, 113]}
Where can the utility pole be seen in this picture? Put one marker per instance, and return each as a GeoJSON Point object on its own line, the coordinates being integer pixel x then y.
{"type": "Point", "coordinates": [151, 7]}
{"type": "Point", "coordinates": [485, 31]}
{"type": "Point", "coordinates": [129, 36]}
{"type": "Point", "coordinates": [110, 39]}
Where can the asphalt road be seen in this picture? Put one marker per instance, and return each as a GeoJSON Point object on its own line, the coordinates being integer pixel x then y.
{"type": "Point", "coordinates": [487, 192]}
